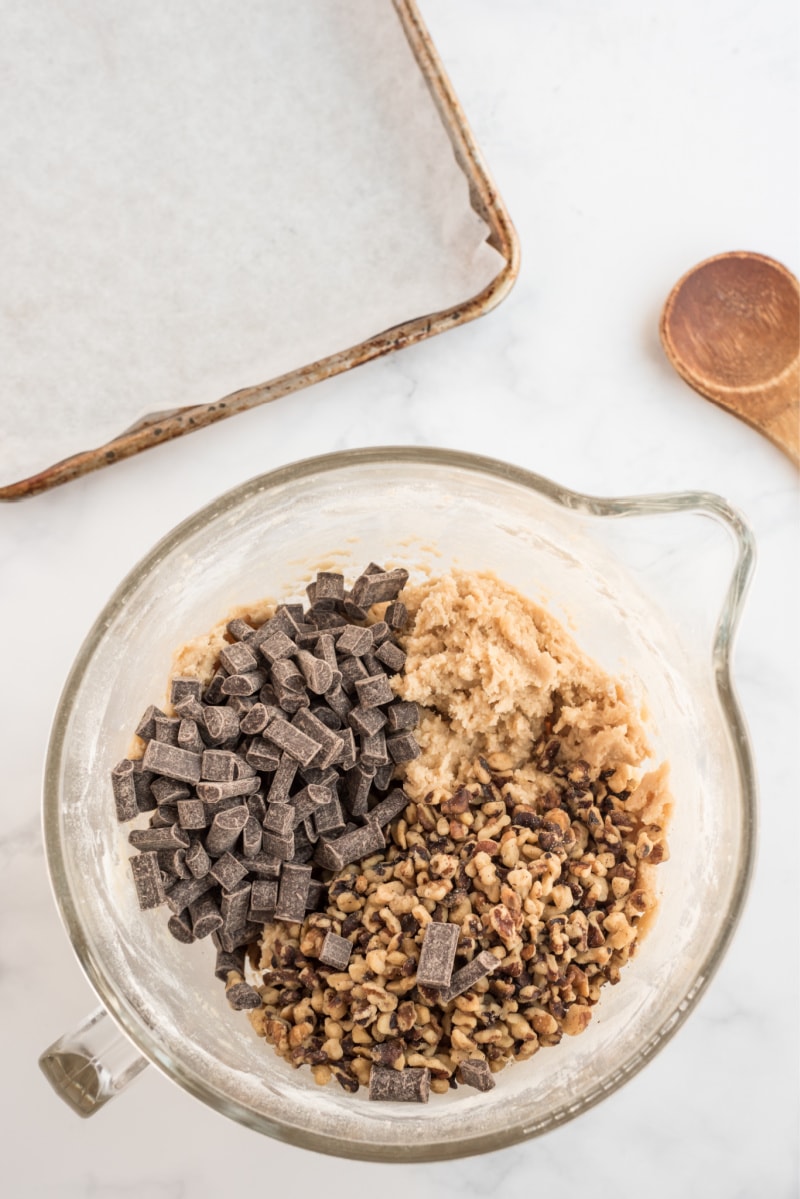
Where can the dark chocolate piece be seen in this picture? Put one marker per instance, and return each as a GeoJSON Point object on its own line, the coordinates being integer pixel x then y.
{"type": "Point", "coordinates": [328, 819]}
{"type": "Point", "coordinates": [439, 943]}
{"type": "Point", "coordinates": [410, 1085]}
{"type": "Point", "coordinates": [182, 687]}
{"type": "Point", "coordinates": [263, 756]}
{"type": "Point", "coordinates": [211, 792]}
{"type": "Point", "coordinates": [327, 716]}
{"type": "Point", "coordinates": [276, 647]}
{"type": "Point", "coordinates": [329, 746]}
{"type": "Point", "coordinates": [282, 782]}
{"type": "Point", "coordinates": [167, 729]}
{"type": "Point", "coordinates": [205, 914]}
{"type": "Point", "coordinates": [124, 789]}
{"type": "Point", "coordinates": [169, 791]}
{"type": "Point", "coordinates": [218, 766]}
{"type": "Point", "coordinates": [374, 691]}
{"type": "Point", "coordinates": [222, 724]}
{"type": "Point", "coordinates": [371, 664]}
{"type": "Point", "coordinates": [355, 641]}
{"type": "Point", "coordinates": [173, 862]}
{"type": "Point", "coordinates": [189, 736]}
{"type": "Point", "coordinates": [198, 860]}
{"type": "Point", "coordinates": [181, 928]}
{"type": "Point", "coordinates": [146, 727]}
{"type": "Point", "coordinates": [350, 847]}
{"type": "Point", "coordinates": [278, 847]}
{"type": "Point", "coordinates": [234, 907]}
{"type": "Point", "coordinates": [391, 655]}
{"type": "Point", "coordinates": [317, 892]}
{"type": "Point", "coordinates": [280, 819]}
{"type": "Point", "coordinates": [171, 761]}
{"type": "Point", "coordinates": [238, 658]}
{"type": "Point", "coordinates": [239, 629]}
{"type": "Point", "coordinates": [329, 586]}
{"type": "Point", "coordinates": [380, 632]}
{"type": "Point", "coordinates": [359, 781]}
{"type": "Point", "coordinates": [403, 747]}
{"type": "Point", "coordinates": [256, 806]}
{"type": "Point", "coordinates": [317, 673]}
{"type": "Point", "coordinates": [383, 777]}
{"type": "Point", "coordinates": [349, 754]}
{"type": "Point", "coordinates": [481, 965]}
{"type": "Point", "coordinates": [256, 719]}
{"type": "Point", "coordinates": [390, 807]}
{"type": "Point", "coordinates": [142, 782]}
{"type": "Point", "coordinates": [351, 670]}
{"type": "Point", "coordinates": [227, 961]}
{"type": "Point", "coordinates": [187, 891]}
{"type": "Point", "coordinates": [239, 686]}
{"type": "Point", "coordinates": [228, 871]}
{"type": "Point", "coordinates": [396, 616]}
{"type": "Point", "coordinates": [335, 951]}
{"type": "Point", "coordinates": [147, 880]}
{"type": "Point", "coordinates": [474, 1073]}
{"type": "Point", "coordinates": [189, 708]}
{"type": "Point", "coordinates": [373, 751]}
{"type": "Point", "coordinates": [242, 997]}
{"type": "Point", "coordinates": [264, 865]}
{"type": "Point", "coordinates": [225, 830]}
{"type": "Point", "coordinates": [375, 588]}
{"type": "Point", "coordinates": [251, 836]}
{"type": "Point", "coordinates": [292, 893]}
{"type": "Point", "coordinates": [165, 816]}
{"type": "Point", "coordinates": [213, 692]}
{"type": "Point", "coordinates": [338, 702]}
{"type": "Point", "coordinates": [292, 740]}
{"type": "Point", "coordinates": [264, 895]}
{"type": "Point", "coordinates": [402, 715]}
{"type": "Point", "coordinates": [308, 801]}
{"type": "Point", "coordinates": [366, 721]}
{"type": "Point", "coordinates": [192, 814]}
{"type": "Point", "coordinates": [240, 704]}
{"type": "Point", "coordinates": [159, 838]}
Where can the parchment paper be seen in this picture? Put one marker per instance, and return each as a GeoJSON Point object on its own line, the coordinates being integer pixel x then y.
{"type": "Point", "coordinates": [199, 195]}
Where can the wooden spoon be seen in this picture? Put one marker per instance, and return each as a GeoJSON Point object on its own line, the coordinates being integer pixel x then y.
{"type": "Point", "coordinates": [731, 329]}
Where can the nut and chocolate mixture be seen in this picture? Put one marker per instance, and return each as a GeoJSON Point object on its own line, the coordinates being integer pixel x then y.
{"type": "Point", "coordinates": [403, 938]}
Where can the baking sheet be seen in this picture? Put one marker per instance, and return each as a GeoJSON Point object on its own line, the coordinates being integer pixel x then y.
{"type": "Point", "coordinates": [200, 196]}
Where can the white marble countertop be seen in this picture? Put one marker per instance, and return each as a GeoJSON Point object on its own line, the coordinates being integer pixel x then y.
{"type": "Point", "coordinates": [629, 141]}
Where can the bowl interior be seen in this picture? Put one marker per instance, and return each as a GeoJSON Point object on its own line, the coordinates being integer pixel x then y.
{"type": "Point", "coordinates": [264, 541]}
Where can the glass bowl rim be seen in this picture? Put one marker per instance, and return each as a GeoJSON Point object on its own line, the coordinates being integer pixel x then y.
{"type": "Point", "coordinates": [702, 502]}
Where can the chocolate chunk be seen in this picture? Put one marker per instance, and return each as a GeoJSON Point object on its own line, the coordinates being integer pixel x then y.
{"type": "Point", "coordinates": [242, 685]}
{"type": "Point", "coordinates": [223, 805]}
{"type": "Point", "coordinates": [211, 792]}
{"type": "Point", "coordinates": [359, 780]}
{"type": "Point", "coordinates": [327, 716]}
{"type": "Point", "coordinates": [390, 807]}
{"type": "Point", "coordinates": [124, 789]}
{"type": "Point", "coordinates": [282, 782]}
{"type": "Point", "coordinates": [366, 721]}
{"type": "Point", "coordinates": [355, 641]}
{"type": "Point", "coordinates": [142, 782]}
{"type": "Point", "coordinates": [171, 761]}
{"type": "Point", "coordinates": [205, 914]}
{"type": "Point", "coordinates": [317, 892]}
{"type": "Point", "coordinates": [474, 1073]}
{"type": "Point", "coordinates": [189, 708]}
{"type": "Point", "coordinates": [251, 836]}
{"type": "Point", "coordinates": [349, 754]}
{"type": "Point", "coordinates": [317, 673]}
{"type": "Point", "coordinates": [264, 896]}
{"type": "Point", "coordinates": [292, 740]}
{"type": "Point", "coordinates": [292, 893]}
{"type": "Point", "coordinates": [373, 751]}
{"type": "Point", "coordinates": [329, 586]}
{"type": "Point", "coordinates": [324, 648]}
{"type": "Point", "coordinates": [374, 691]}
{"type": "Point", "coordinates": [350, 847]}
{"type": "Point", "coordinates": [181, 687]}
{"type": "Point", "coordinates": [263, 756]}
{"type": "Point", "coordinates": [324, 619]}
{"type": "Point", "coordinates": [189, 736]}
{"type": "Point", "coordinates": [328, 819]}
{"type": "Point", "coordinates": [396, 616]}
{"type": "Point", "coordinates": [285, 621]}
{"type": "Point", "coordinates": [238, 659]}
{"type": "Point", "coordinates": [240, 630]}
{"type": "Point", "coordinates": [228, 871]}
{"type": "Point", "coordinates": [351, 670]}
{"type": "Point", "coordinates": [165, 816]}
{"type": "Point", "coordinates": [213, 692]}
{"type": "Point", "coordinates": [222, 724]}
{"type": "Point", "coordinates": [225, 830]}
{"type": "Point", "coordinates": [391, 656]}
{"type": "Point", "coordinates": [481, 965]}
{"type": "Point", "coordinates": [338, 702]}
{"type": "Point", "coordinates": [198, 860]}
{"type": "Point", "coordinates": [147, 880]}
{"type": "Point", "coordinates": [242, 768]}
{"type": "Point", "coordinates": [402, 715]}
{"type": "Point", "coordinates": [234, 907]}
{"type": "Point", "coordinates": [264, 865]}
{"type": "Point", "coordinates": [256, 719]}
{"type": "Point", "coordinates": [192, 814]}
{"type": "Point", "coordinates": [403, 747]}
{"type": "Point", "coordinates": [438, 953]}
{"type": "Point", "coordinates": [181, 928]}
{"type": "Point", "coordinates": [276, 647]}
{"type": "Point", "coordinates": [166, 729]}
{"type": "Point", "coordinates": [242, 997]}
{"type": "Point", "coordinates": [278, 847]}
{"type": "Point", "coordinates": [227, 961]}
{"type": "Point", "coordinates": [256, 806]}
{"type": "Point", "coordinates": [375, 588]}
{"type": "Point", "coordinates": [410, 1085]}
{"type": "Point", "coordinates": [307, 801]}
{"type": "Point", "coordinates": [218, 766]}
{"type": "Point", "coordinates": [380, 632]}
{"type": "Point", "coordinates": [159, 838]}
{"type": "Point", "coordinates": [335, 951]}
{"type": "Point", "coordinates": [173, 862]}
{"type": "Point", "coordinates": [280, 819]}
{"type": "Point", "coordinates": [240, 704]}
{"type": "Point", "coordinates": [146, 727]}
{"type": "Point", "coordinates": [328, 744]}
{"type": "Point", "coordinates": [169, 791]}
{"type": "Point", "coordinates": [372, 665]}
{"type": "Point", "coordinates": [187, 891]}
{"type": "Point", "coordinates": [383, 777]}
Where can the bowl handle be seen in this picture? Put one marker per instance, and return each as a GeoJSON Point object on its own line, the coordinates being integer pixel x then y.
{"type": "Point", "coordinates": [92, 1064]}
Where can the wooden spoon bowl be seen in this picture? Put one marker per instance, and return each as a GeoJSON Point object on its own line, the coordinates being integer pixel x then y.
{"type": "Point", "coordinates": [731, 329]}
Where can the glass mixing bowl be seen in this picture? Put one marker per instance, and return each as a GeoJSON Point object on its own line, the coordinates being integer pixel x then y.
{"type": "Point", "coordinates": [651, 587]}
